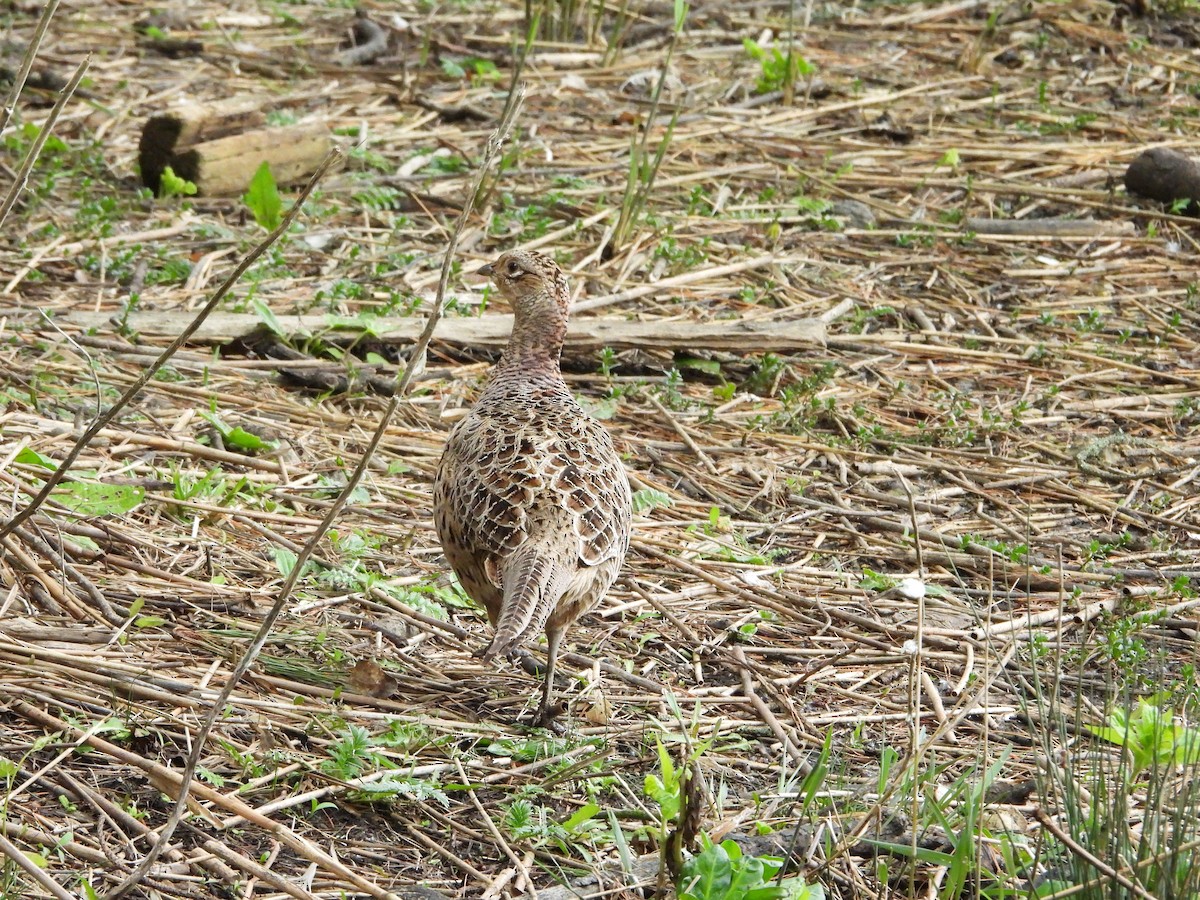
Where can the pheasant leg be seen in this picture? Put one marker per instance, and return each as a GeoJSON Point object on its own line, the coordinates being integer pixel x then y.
{"type": "Point", "coordinates": [546, 714]}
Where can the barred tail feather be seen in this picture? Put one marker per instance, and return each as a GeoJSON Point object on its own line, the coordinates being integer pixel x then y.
{"type": "Point", "coordinates": [534, 580]}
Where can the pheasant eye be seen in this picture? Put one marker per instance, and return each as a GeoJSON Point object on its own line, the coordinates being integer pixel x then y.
{"type": "Point", "coordinates": [513, 269]}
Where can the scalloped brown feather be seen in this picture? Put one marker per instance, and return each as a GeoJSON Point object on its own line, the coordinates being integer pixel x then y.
{"type": "Point", "coordinates": [531, 502]}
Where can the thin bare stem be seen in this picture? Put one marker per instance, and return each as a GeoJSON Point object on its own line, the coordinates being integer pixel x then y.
{"type": "Point", "coordinates": [18, 85]}
{"type": "Point", "coordinates": [18, 185]}
{"type": "Point", "coordinates": [26, 865]}
{"type": "Point", "coordinates": [1088, 857]}
{"type": "Point", "coordinates": [416, 359]}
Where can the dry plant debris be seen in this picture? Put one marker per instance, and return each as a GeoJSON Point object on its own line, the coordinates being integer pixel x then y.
{"type": "Point", "coordinates": [1008, 417]}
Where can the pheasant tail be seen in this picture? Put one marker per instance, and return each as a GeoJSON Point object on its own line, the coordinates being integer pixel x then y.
{"type": "Point", "coordinates": [535, 578]}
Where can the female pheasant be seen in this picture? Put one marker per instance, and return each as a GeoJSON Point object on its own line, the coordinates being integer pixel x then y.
{"type": "Point", "coordinates": [531, 502]}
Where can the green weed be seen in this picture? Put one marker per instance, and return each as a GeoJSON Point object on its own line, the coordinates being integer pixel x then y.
{"type": "Point", "coordinates": [778, 71]}
{"type": "Point", "coordinates": [171, 185]}
{"type": "Point", "coordinates": [644, 165]}
{"type": "Point", "coordinates": [722, 872]}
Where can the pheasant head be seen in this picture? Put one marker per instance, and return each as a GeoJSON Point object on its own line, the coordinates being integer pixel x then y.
{"type": "Point", "coordinates": [537, 290]}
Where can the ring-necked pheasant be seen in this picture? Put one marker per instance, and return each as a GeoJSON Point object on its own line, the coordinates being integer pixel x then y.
{"type": "Point", "coordinates": [531, 502]}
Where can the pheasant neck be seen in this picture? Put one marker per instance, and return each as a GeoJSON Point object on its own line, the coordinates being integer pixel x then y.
{"type": "Point", "coordinates": [537, 340]}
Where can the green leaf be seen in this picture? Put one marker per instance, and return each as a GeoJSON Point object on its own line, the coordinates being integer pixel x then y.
{"type": "Point", "coordinates": [263, 199]}
{"type": "Point", "coordinates": [92, 499]}
{"type": "Point", "coordinates": [423, 599]}
{"type": "Point", "coordinates": [588, 811]}
{"type": "Point", "coordinates": [238, 438]}
{"type": "Point", "coordinates": [681, 11]}
{"type": "Point", "coordinates": [85, 542]}
{"type": "Point", "coordinates": [601, 409]}
{"type": "Point", "coordinates": [149, 621]}
{"type": "Point", "coordinates": [665, 792]}
{"type": "Point", "coordinates": [366, 322]}
{"type": "Point", "coordinates": [53, 144]}
{"type": "Point", "coordinates": [873, 581]}
{"type": "Point", "coordinates": [267, 316]}
{"type": "Point", "coordinates": [30, 457]}
{"type": "Point", "coordinates": [245, 440]}
{"type": "Point", "coordinates": [748, 872]}
{"type": "Point", "coordinates": [648, 499]}
{"type": "Point", "coordinates": [285, 560]}
{"type": "Point", "coordinates": [814, 781]}
{"type": "Point", "coordinates": [666, 796]}
{"type": "Point", "coordinates": [210, 777]}
{"type": "Point", "coordinates": [789, 889]}
{"type": "Point", "coordinates": [950, 158]}
{"type": "Point", "coordinates": [666, 765]}
{"type": "Point", "coordinates": [653, 788]}
{"type": "Point", "coordinates": [932, 857]}
{"type": "Point", "coordinates": [771, 892]}
{"type": "Point", "coordinates": [707, 875]}
{"type": "Point", "coordinates": [482, 68]}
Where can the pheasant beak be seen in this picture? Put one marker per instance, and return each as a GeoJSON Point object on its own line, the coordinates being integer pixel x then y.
{"type": "Point", "coordinates": [489, 270]}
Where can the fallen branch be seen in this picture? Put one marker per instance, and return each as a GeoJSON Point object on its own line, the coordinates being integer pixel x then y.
{"type": "Point", "coordinates": [1053, 228]}
{"type": "Point", "coordinates": [583, 335]}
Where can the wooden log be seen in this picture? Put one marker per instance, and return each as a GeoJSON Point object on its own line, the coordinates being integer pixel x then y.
{"type": "Point", "coordinates": [219, 146]}
{"type": "Point", "coordinates": [179, 129]}
{"type": "Point", "coordinates": [226, 165]}
{"type": "Point", "coordinates": [584, 335]}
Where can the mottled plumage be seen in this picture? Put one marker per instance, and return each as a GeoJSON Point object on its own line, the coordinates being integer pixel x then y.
{"type": "Point", "coordinates": [531, 502]}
